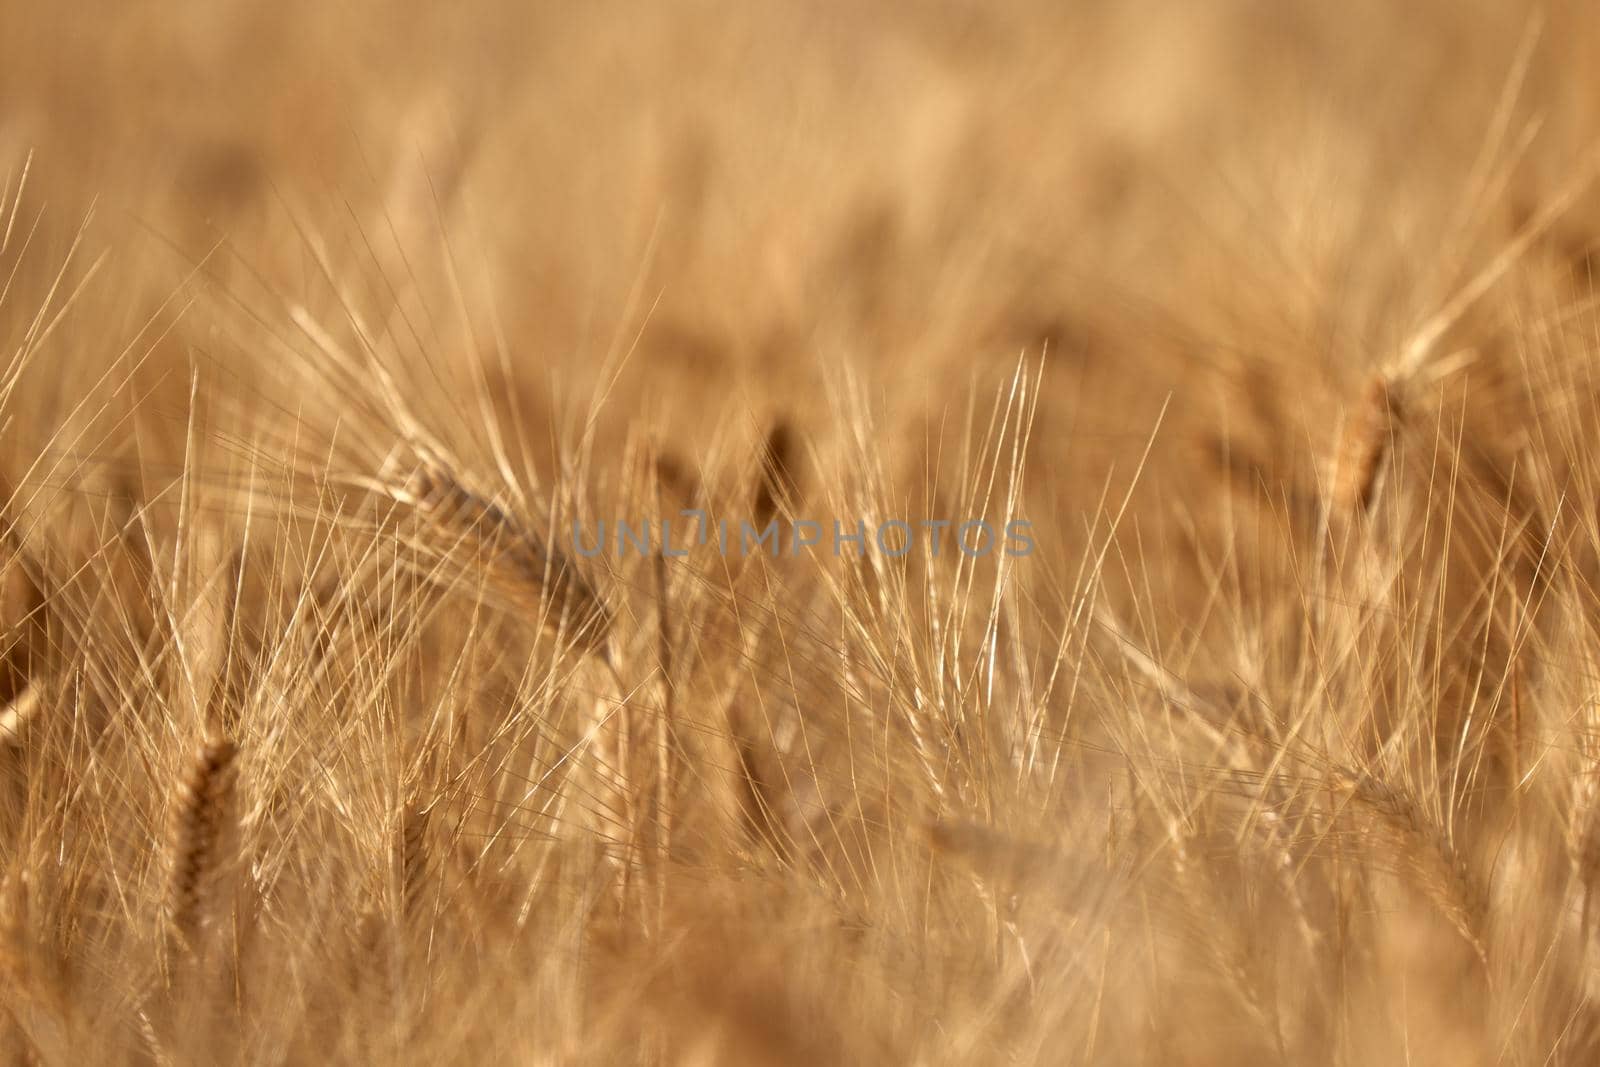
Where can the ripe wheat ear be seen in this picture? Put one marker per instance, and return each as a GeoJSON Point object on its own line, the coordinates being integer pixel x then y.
{"type": "Point", "coordinates": [202, 833]}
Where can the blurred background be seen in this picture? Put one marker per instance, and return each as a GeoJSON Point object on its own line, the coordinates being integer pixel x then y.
{"type": "Point", "coordinates": [1234, 210]}
{"type": "Point", "coordinates": [613, 234]}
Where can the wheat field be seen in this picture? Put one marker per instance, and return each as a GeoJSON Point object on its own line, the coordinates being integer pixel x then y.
{"type": "Point", "coordinates": [800, 533]}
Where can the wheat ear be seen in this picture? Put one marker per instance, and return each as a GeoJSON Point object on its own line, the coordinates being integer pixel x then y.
{"type": "Point", "coordinates": [1366, 444]}
{"type": "Point", "coordinates": [779, 455]}
{"type": "Point", "coordinates": [1443, 874]}
{"type": "Point", "coordinates": [200, 833]}
{"type": "Point", "coordinates": [525, 570]}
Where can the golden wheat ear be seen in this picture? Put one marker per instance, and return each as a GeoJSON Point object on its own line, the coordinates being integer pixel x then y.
{"type": "Point", "coordinates": [780, 455]}
{"type": "Point", "coordinates": [16, 715]}
{"type": "Point", "coordinates": [1368, 438]}
{"type": "Point", "coordinates": [677, 480]}
{"type": "Point", "coordinates": [35, 996]}
{"type": "Point", "coordinates": [202, 835]}
{"type": "Point", "coordinates": [412, 858]}
{"type": "Point", "coordinates": [24, 624]}
{"type": "Point", "coordinates": [524, 573]}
